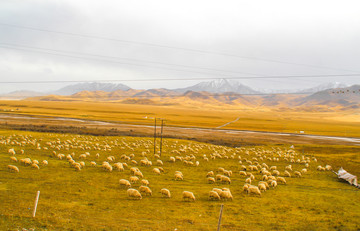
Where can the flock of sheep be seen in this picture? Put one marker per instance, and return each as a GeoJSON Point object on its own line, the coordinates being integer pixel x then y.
{"type": "Point", "coordinates": [257, 169]}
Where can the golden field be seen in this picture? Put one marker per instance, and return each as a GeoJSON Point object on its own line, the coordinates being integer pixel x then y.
{"type": "Point", "coordinates": [92, 199]}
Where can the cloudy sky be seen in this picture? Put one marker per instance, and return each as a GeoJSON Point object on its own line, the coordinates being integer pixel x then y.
{"type": "Point", "coordinates": [143, 40]}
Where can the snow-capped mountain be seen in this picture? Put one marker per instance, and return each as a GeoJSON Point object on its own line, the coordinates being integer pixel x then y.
{"type": "Point", "coordinates": [322, 87]}
{"type": "Point", "coordinates": [107, 87]}
{"type": "Point", "coordinates": [220, 86]}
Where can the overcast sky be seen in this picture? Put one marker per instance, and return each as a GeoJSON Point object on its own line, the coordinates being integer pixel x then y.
{"type": "Point", "coordinates": [142, 39]}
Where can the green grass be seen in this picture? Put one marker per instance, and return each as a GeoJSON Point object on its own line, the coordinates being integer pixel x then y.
{"type": "Point", "coordinates": [93, 200]}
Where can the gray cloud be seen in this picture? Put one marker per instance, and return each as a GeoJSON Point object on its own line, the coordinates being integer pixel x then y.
{"type": "Point", "coordinates": [320, 33]}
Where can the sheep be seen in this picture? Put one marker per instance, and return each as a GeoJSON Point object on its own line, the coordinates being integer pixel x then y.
{"type": "Point", "coordinates": [178, 176]}
{"type": "Point", "coordinates": [303, 171]}
{"type": "Point", "coordinates": [146, 190]}
{"type": "Point", "coordinates": [11, 151]}
{"type": "Point", "coordinates": [211, 173]}
{"type": "Point", "coordinates": [265, 183]}
{"type": "Point", "coordinates": [93, 163]}
{"type": "Point", "coordinates": [82, 163]}
{"type": "Point", "coordinates": [273, 168]}
{"type": "Point", "coordinates": [287, 174]}
{"type": "Point", "coordinates": [227, 173]}
{"type": "Point", "coordinates": [172, 159]}
{"type": "Point", "coordinates": [77, 167]}
{"type": "Point", "coordinates": [264, 177]}
{"type": "Point", "coordinates": [251, 189]}
{"type": "Point", "coordinates": [297, 174]}
{"type": "Point", "coordinates": [188, 195]}
{"type": "Point", "coordinates": [328, 167]}
{"type": "Point", "coordinates": [165, 192]}
{"type": "Point", "coordinates": [211, 180]}
{"type": "Point", "coordinates": [82, 156]}
{"type": "Point", "coordinates": [289, 167]}
{"type": "Point", "coordinates": [13, 168]}
{"type": "Point", "coordinates": [276, 173]}
{"type": "Point", "coordinates": [248, 180]}
{"type": "Point", "coordinates": [225, 179]}
{"type": "Point", "coordinates": [217, 190]}
{"type": "Point", "coordinates": [13, 158]}
{"type": "Point", "coordinates": [225, 195]}
{"type": "Point", "coordinates": [119, 166]}
{"type": "Point", "coordinates": [134, 179]}
{"type": "Point", "coordinates": [44, 162]}
{"type": "Point", "coordinates": [144, 182]}
{"type": "Point", "coordinates": [139, 174]}
{"type": "Point", "coordinates": [214, 195]}
{"type": "Point", "coordinates": [274, 183]}
{"type": "Point", "coordinates": [320, 168]}
{"type": "Point", "coordinates": [156, 171]}
{"type": "Point", "coordinates": [26, 161]}
{"type": "Point", "coordinates": [218, 177]}
{"type": "Point", "coordinates": [281, 179]}
{"type": "Point", "coordinates": [134, 162]}
{"type": "Point", "coordinates": [262, 187]}
{"type": "Point", "coordinates": [133, 170]}
{"type": "Point", "coordinates": [35, 166]}
{"type": "Point", "coordinates": [125, 183]}
{"type": "Point", "coordinates": [243, 173]}
{"type": "Point", "coordinates": [252, 177]}
{"type": "Point", "coordinates": [159, 162]}
{"type": "Point", "coordinates": [35, 162]}
{"type": "Point", "coordinates": [161, 169]}
{"type": "Point", "coordinates": [134, 193]}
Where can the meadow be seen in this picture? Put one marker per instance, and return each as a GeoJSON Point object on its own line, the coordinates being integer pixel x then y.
{"type": "Point", "coordinates": [92, 199]}
{"type": "Point", "coordinates": [332, 123]}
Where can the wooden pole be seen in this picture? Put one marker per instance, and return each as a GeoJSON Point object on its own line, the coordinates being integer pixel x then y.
{"type": "Point", "coordinates": [36, 203]}
{"type": "Point", "coordinates": [220, 216]}
{"type": "Point", "coordinates": [161, 136]}
{"type": "Point", "coordinates": [155, 136]}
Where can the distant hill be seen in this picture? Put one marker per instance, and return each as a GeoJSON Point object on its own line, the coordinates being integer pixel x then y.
{"type": "Point", "coordinates": [322, 87]}
{"type": "Point", "coordinates": [220, 86]}
{"type": "Point", "coordinates": [75, 88]}
{"type": "Point", "coordinates": [21, 94]}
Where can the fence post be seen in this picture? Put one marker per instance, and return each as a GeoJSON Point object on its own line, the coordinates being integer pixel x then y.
{"type": "Point", "coordinates": [36, 203]}
{"type": "Point", "coordinates": [220, 216]}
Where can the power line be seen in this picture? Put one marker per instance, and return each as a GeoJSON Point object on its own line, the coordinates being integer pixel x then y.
{"type": "Point", "coordinates": [120, 58]}
{"type": "Point", "coordinates": [172, 47]}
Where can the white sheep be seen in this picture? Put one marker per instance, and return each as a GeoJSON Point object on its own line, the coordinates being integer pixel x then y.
{"type": "Point", "coordinates": [134, 193]}
{"type": "Point", "coordinates": [287, 174]}
{"type": "Point", "coordinates": [211, 173]}
{"type": "Point", "coordinates": [13, 158]}
{"type": "Point", "coordinates": [134, 179]}
{"type": "Point", "coordinates": [139, 174]}
{"type": "Point", "coordinates": [188, 195]}
{"type": "Point", "coordinates": [214, 195]}
{"type": "Point", "coordinates": [93, 163]}
{"type": "Point", "coordinates": [297, 174]}
{"type": "Point", "coordinates": [262, 187]}
{"type": "Point", "coordinates": [156, 171]}
{"type": "Point", "coordinates": [225, 179]}
{"type": "Point", "coordinates": [172, 159]}
{"type": "Point", "coordinates": [125, 183]}
{"type": "Point", "coordinates": [35, 166]}
{"type": "Point", "coordinates": [13, 168]}
{"type": "Point", "coordinates": [281, 179]}
{"type": "Point", "coordinates": [211, 180]}
{"type": "Point", "coordinates": [44, 162]}
{"type": "Point", "coordinates": [146, 190]}
{"type": "Point", "coordinates": [243, 173]}
{"type": "Point", "coordinates": [225, 195]}
{"type": "Point", "coordinates": [144, 182]}
{"type": "Point", "coordinates": [165, 192]}
{"type": "Point", "coordinates": [11, 151]}
{"type": "Point", "coordinates": [303, 171]}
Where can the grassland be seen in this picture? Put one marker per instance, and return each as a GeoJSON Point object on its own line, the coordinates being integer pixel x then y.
{"type": "Point", "coordinates": [93, 200]}
{"type": "Point", "coordinates": [338, 123]}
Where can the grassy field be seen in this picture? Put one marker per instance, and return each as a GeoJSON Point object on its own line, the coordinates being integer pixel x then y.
{"type": "Point", "coordinates": [92, 199]}
{"type": "Point", "coordinates": [340, 123]}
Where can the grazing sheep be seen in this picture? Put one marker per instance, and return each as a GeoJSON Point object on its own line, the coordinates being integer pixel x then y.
{"type": "Point", "coordinates": [125, 183]}
{"type": "Point", "coordinates": [273, 183]}
{"type": "Point", "coordinates": [188, 195]}
{"type": "Point", "coordinates": [262, 187]}
{"type": "Point", "coordinates": [276, 173]}
{"type": "Point", "coordinates": [225, 179]}
{"type": "Point", "coordinates": [13, 158]}
{"type": "Point", "coordinates": [159, 162]}
{"type": "Point", "coordinates": [289, 167]}
{"type": "Point", "coordinates": [297, 174]}
{"type": "Point", "coordinates": [328, 167]}
{"type": "Point", "coordinates": [211, 173]}
{"type": "Point", "coordinates": [44, 162]}
{"type": "Point", "coordinates": [13, 168]}
{"type": "Point", "coordinates": [320, 168]}
{"type": "Point", "coordinates": [225, 195]}
{"type": "Point", "coordinates": [172, 159]}
{"type": "Point", "coordinates": [178, 176]}
{"type": "Point", "coordinates": [265, 183]}
{"type": "Point", "coordinates": [248, 180]}
{"type": "Point", "coordinates": [281, 179]}
{"type": "Point", "coordinates": [264, 178]}
{"type": "Point", "coordinates": [119, 166]}
{"type": "Point", "coordinates": [77, 167]}
{"type": "Point", "coordinates": [134, 179]}
{"type": "Point", "coordinates": [35, 162]}
{"type": "Point", "coordinates": [144, 182]}
{"type": "Point", "coordinates": [93, 163]}
{"type": "Point", "coordinates": [133, 170]}
{"type": "Point", "coordinates": [303, 171]}
{"type": "Point", "coordinates": [146, 190]}
{"type": "Point", "coordinates": [139, 174]}
{"type": "Point", "coordinates": [156, 171]}
{"type": "Point", "coordinates": [161, 169]}
{"type": "Point", "coordinates": [26, 161]}
{"type": "Point", "coordinates": [227, 173]}
{"type": "Point", "coordinates": [134, 193]}
{"type": "Point", "coordinates": [252, 177]}
{"type": "Point", "coordinates": [165, 192]}
{"type": "Point", "coordinates": [273, 168]}
{"type": "Point", "coordinates": [251, 189]}
{"type": "Point", "coordinates": [214, 195]}
{"type": "Point", "coordinates": [217, 190]}
{"type": "Point", "coordinates": [35, 166]}
{"type": "Point", "coordinates": [82, 163]}
{"type": "Point", "coordinates": [287, 174]}
{"type": "Point", "coordinates": [243, 173]}
{"type": "Point", "coordinates": [11, 151]}
{"type": "Point", "coordinates": [211, 180]}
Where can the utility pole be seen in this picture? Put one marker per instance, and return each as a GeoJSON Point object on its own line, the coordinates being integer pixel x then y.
{"type": "Point", "coordinates": [161, 136]}
{"type": "Point", "coordinates": [155, 137]}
